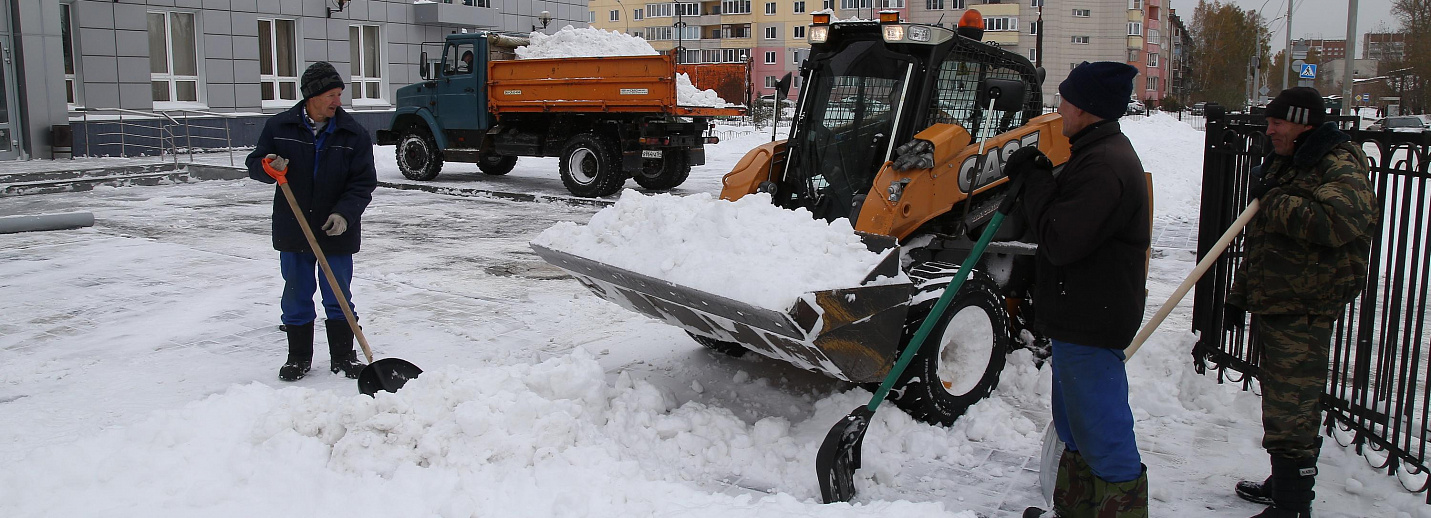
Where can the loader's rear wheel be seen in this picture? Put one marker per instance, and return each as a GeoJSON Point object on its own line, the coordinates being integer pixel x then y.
{"type": "Point", "coordinates": [496, 165]}
{"type": "Point", "coordinates": [666, 173]}
{"type": "Point", "coordinates": [960, 362]}
{"type": "Point", "coordinates": [417, 155]}
{"type": "Point", "coordinates": [587, 168]}
{"type": "Point", "coordinates": [731, 349]}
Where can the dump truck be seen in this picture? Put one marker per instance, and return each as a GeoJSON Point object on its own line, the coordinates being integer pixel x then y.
{"type": "Point", "coordinates": [608, 118]}
{"type": "Point", "coordinates": [870, 88]}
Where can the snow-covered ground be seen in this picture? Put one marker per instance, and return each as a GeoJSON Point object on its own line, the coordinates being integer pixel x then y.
{"type": "Point", "coordinates": [138, 363]}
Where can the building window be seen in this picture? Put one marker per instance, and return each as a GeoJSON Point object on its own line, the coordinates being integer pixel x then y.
{"type": "Point", "coordinates": [1133, 55]}
{"type": "Point", "coordinates": [614, 16]}
{"type": "Point", "coordinates": [73, 96]}
{"type": "Point", "coordinates": [770, 8]}
{"type": "Point", "coordinates": [735, 7]}
{"type": "Point", "coordinates": [1001, 23]}
{"type": "Point", "coordinates": [1036, 3]}
{"type": "Point", "coordinates": [770, 81]}
{"type": "Point", "coordinates": [173, 57]}
{"type": "Point", "coordinates": [1152, 82]}
{"type": "Point", "coordinates": [795, 57]}
{"type": "Point", "coordinates": [1135, 4]}
{"type": "Point", "coordinates": [1153, 36]}
{"type": "Point", "coordinates": [957, 4]}
{"type": "Point", "coordinates": [1152, 59]}
{"type": "Point", "coordinates": [688, 9]}
{"type": "Point", "coordinates": [591, 17]}
{"type": "Point", "coordinates": [278, 61]}
{"type": "Point", "coordinates": [1033, 28]}
{"type": "Point", "coordinates": [770, 58]}
{"type": "Point", "coordinates": [798, 32]}
{"type": "Point", "coordinates": [1135, 28]}
{"type": "Point", "coordinates": [734, 55]}
{"type": "Point", "coordinates": [799, 8]}
{"type": "Point", "coordinates": [365, 47]}
{"type": "Point", "coordinates": [660, 10]}
{"type": "Point", "coordinates": [1033, 55]}
{"type": "Point", "coordinates": [638, 14]}
{"type": "Point", "coordinates": [1082, 13]}
{"type": "Point", "coordinates": [771, 33]}
{"type": "Point", "coordinates": [735, 31]}
{"type": "Point", "coordinates": [934, 4]}
{"type": "Point", "coordinates": [1080, 40]}
{"type": "Point", "coordinates": [854, 4]}
{"type": "Point", "coordinates": [891, 4]}
{"type": "Point", "coordinates": [827, 4]}
{"type": "Point", "coordinates": [660, 33]}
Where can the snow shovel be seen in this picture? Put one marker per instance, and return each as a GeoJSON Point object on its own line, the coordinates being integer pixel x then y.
{"type": "Point", "coordinates": [1052, 445]}
{"type": "Point", "coordinates": [839, 455]}
{"type": "Point", "coordinates": [388, 374]}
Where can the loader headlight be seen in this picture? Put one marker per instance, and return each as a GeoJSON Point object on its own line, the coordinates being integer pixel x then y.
{"type": "Point", "coordinates": [819, 33]}
{"type": "Point", "coordinates": [919, 33]}
{"type": "Point", "coordinates": [893, 33]}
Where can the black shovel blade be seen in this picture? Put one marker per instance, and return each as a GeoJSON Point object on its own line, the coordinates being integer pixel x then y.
{"type": "Point", "coordinates": [839, 456]}
{"type": "Point", "coordinates": [388, 374]}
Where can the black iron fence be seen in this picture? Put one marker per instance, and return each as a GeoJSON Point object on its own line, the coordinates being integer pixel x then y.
{"type": "Point", "coordinates": [1377, 399]}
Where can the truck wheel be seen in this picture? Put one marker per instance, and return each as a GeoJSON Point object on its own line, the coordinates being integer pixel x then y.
{"type": "Point", "coordinates": [496, 165]}
{"type": "Point", "coordinates": [417, 155]}
{"type": "Point", "coordinates": [587, 169]}
{"type": "Point", "coordinates": [731, 349]}
{"type": "Point", "coordinates": [665, 174]}
{"type": "Point", "coordinates": [960, 362]}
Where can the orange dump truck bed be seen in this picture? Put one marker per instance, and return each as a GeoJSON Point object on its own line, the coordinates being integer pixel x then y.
{"type": "Point", "coordinates": [613, 84]}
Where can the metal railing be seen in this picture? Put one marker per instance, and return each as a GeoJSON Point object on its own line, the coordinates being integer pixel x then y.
{"type": "Point", "coordinates": [166, 132]}
{"type": "Point", "coordinates": [1377, 398]}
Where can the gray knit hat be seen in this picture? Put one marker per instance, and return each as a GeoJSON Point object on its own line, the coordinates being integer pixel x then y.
{"type": "Point", "coordinates": [320, 77]}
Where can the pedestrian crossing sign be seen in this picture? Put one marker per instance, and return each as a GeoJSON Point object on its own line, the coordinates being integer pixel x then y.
{"type": "Point", "coordinates": [1309, 71]}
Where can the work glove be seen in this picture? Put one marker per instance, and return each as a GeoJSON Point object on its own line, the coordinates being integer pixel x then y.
{"type": "Point", "coordinates": [335, 225]}
{"type": "Point", "coordinates": [1025, 160]}
{"type": "Point", "coordinates": [1233, 317]}
{"type": "Point", "coordinates": [276, 167]}
{"type": "Point", "coordinates": [915, 154]}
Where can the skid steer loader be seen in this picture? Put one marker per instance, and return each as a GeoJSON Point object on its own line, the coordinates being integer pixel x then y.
{"type": "Point", "coordinates": [869, 87]}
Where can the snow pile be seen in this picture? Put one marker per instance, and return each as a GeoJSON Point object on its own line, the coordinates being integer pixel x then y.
{"type": "Point", "coordinates": [748, 250]}
{"type": "Point", "coordinates": [570, 42]}
{"type": "Point", "coordinates": [689, 95]}
{"type": "Point", "coordinates": [1171, 150]}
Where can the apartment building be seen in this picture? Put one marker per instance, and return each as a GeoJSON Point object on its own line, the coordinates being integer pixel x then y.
{"type": "Point", "coordinates": [71, 58]}
{"type": "Point", "coordinates": [772, 33]}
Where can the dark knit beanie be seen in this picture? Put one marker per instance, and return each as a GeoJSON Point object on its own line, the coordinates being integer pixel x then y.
{"type": "Point", "coordinates": [320, 77]}
{"type": "Point", "coordinates": [1102, 88]}
{"type": "Point", "coordinates": [1300, 105]}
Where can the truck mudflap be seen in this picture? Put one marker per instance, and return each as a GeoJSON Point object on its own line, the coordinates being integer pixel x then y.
{"type": "Point", "coordinates": [849, 333]}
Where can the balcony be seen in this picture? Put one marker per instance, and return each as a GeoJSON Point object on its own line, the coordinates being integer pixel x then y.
{"type": "Point", "coordinates": [455, 14]}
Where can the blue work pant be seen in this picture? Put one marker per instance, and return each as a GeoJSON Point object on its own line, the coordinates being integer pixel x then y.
{"type": "Point", "coordinates": [301, 276]}
{"type": "Point", "coordinates": [1090, 409]}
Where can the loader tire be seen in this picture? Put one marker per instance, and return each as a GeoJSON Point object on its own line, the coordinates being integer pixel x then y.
{"type": "Point", "coordinates": [731, 349]}
{"type": "Point", "coordinates": [587, 167]}
{"type": "Point", "coordinates": [417, 155]}
{"type": "Point", "coordinates": [667, 173]}
{"type": "Point", "coordinates": [963, 355]}
{"type": "Point", "coordinates": [496, 165]}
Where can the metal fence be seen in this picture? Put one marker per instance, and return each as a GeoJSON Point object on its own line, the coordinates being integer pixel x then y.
{"type": "Point", "coordinates": [1376, 398]}
{"type": "Point", "coordinates": [125, 133]}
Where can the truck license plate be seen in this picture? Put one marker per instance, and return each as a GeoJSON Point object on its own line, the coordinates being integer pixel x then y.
{"type": "Point", "coordinates": [650, 153]}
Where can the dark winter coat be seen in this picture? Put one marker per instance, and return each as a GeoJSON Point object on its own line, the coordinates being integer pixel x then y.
{"type": "Point", "coordinates": [342, 181]}
{"type": "Point", "coordinates": [1307, 247]}
{"type": "Point", "coordinates": [1093, 229]}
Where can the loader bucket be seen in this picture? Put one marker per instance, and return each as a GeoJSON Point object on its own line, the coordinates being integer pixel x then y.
{"type": "Point", "coordinates": [849, 333]}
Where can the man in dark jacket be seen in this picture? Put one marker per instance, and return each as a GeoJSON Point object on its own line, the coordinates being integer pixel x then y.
{"type": "Point", "coordinates": [1092, 226]}
{"type": "Point", "coordinates": [327, 158]}
{"type": "Point", "coordinates": [1305, 258]}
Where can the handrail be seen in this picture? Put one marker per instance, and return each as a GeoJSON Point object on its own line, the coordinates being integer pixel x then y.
{"type": "Point", "coordinates": [167, 128]}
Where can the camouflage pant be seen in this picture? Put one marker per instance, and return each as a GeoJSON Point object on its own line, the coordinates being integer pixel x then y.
{"type": "Point", "coordinates": [1294, 376]}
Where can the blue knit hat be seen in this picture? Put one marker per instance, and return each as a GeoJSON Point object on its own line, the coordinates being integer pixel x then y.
{"type": "Point", "coordinates": [1102, 88]}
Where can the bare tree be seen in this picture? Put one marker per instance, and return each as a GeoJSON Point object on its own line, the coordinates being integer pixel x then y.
{"type": "Point", "coordinates": [1415, 18]}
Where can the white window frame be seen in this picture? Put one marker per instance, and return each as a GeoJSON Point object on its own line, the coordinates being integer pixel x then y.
{"type": "Point", "coordinates": [1081, 40]}
{"type": "Point", "coordinates": [1001, 23]}
{"type": "Point", "coordinates": [958, 4]}
{"type": "Point", "coordinates": [769, 8]}
{"type": "Point", "coordinates": [770, 58]}
{"type": "Point", "coordinates": [1035, 3]}
{"type": "Point", "coordinates": [934, 5]}
{"type": "Point", "coordinates": [688, 8]}
{"type": "Point", "coordinates": [638, 14]}
{"type": "Point", "coordinates": [772, 32]}
{"type": "Point", "coordinates": [172, 79]}
{"type": "Point", "coordinates": [770, 81]}
{"type": "Point", "coordinates": [360, 84]}
{"type": "Point", "coordinates": [891, 4]}
{"type": "Point", "coordinates": [849, 5]}
{"type": "Point", "coordinates": [1135, 4]}
{"type": "Point", "coordinates": [798, 7]}
{"type": "Point", "coordinates": [1082, 13]}
{"type": "Point", "coordinates": [797, 32]}
{"type": "Point", "coordinates": [660, 10]}
{"type": "Point", "coordinates": [1152, 59]}
{"type": "Point", "coordinates": [74, 86]}
{"type": "Point", "coordinates": [274, 79]}
{"type": "Point", "coordinates": [1135, 55]}
{"type": "Point", "coordinates": [795, 57]}
{"type": "Point", "coordinates": [614, 15]}
{"type": "Point", "coordinates": [1135, 28]}
{"type": "Point", "coordinates": [661, 33]}
{"type": "Point", "coordinates": [1033, 55]}
{"type": "Point", "coordinates": [1033, 28]}
{"type": "Point", "coordinates": [735, 7]}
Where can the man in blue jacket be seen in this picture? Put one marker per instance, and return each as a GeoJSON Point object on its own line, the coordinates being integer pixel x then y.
{"type": "Point", "coordinates": [327, 158]}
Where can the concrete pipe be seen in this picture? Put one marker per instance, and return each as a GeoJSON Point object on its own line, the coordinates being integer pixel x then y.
{"type": "Point", "coordinates": [62, 221]}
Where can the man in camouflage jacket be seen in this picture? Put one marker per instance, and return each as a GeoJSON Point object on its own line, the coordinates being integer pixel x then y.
{"type": "Point", "coordinates": [1305, 259]}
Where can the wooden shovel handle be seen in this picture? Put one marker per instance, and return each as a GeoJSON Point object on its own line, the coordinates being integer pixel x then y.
{"type": "Point", "coordinates": [327, 270]}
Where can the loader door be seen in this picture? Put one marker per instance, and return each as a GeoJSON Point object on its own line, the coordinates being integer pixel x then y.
{"type": "Point", "coordinates": [853, 105]}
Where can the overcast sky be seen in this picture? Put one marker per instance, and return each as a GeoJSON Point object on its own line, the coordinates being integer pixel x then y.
{"type": "Point", "coordinates": [1326, 19]}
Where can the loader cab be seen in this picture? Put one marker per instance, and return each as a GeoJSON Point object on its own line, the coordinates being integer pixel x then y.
{"type": "Point", "coordinates": [869, 87]}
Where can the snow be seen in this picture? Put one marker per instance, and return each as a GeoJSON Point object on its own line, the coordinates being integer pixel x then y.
{"type": "Point", "coordinates": [138, 363]}
{"type": "Point", "coordinates": [695, 241]}
{"type": "Point", "coordinates": [570, 42]}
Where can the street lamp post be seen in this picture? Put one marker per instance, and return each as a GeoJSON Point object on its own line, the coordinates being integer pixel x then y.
{"type": "Point", "coordinates": [545, 19]}
{"type": "Point", "coordinates": [680, 36]}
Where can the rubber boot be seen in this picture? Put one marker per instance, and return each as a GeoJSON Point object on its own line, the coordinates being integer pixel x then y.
{"type": "Point", "coordinates": [1122, 499]}
{"type": "Point", "coordinates": [300, 352]}
{"type": "Point", "coordinates": [1255, 492]}
{"type": "Point", "coordinates": [340, 349]}
{"type": "Point", "coordinates": [1072, 490]}
{"type": "Point", "coordinates": [1292, 481]}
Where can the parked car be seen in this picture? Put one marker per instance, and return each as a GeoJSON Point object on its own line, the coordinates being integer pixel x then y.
{"type": "Point", "coordinates": [1135, 107]}
{"type": "Point", "coordinates": [1400, 124]}
{"type": "Point", "coordinates": [1197, 108]}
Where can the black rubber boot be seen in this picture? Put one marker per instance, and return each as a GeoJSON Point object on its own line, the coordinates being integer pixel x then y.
{"type": "Point", "coordinates": [1255, 492]}
{"type": "Point", "coordinates": [300, 352]}
{"type": "Point", "coordinates": [1292, 481]}
{"type": "Point", "coordinates": [340, 349]}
